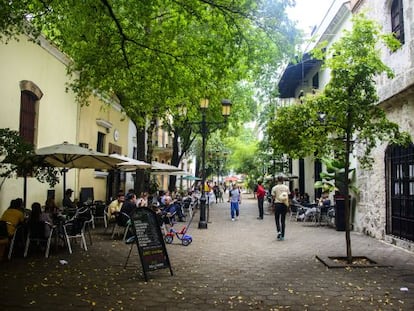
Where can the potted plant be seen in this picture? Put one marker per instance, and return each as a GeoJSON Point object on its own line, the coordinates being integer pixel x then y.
{"type": "Point", "coordinates": [333, 180]}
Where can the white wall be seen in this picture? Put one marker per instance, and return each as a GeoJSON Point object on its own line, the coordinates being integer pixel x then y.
{"type": "Point", "coordinates": [57, 119]}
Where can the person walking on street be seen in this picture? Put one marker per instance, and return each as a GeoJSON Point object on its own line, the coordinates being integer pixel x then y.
{"type": "Point", "coordinates": [280, 194]}
{"type": "Point", "coordinates": [235, 200]}
{"type": "Point", "coordinates": [260, 194]}
{"type": "Point", "coordinates": [221, 193]}
{"type": "Point", "coordinates": [216, 191]}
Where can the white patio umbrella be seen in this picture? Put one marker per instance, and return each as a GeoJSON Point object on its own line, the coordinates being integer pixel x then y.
{"type": "Point", "coordinates": [163, 168]}
{"type": "Point", "coordinates": [73, 156]}
{"type": "Point", "coordinates": [129, 164]}
{"type": "Point", "coordinates": [191, 177]}
{"type": "Point", "coordinates": [179, 173]}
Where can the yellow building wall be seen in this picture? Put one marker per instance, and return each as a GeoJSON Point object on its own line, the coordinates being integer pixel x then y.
{"type": "Point", "coordinates": [57, 114]}
{"type": "Point", "coordinates": [88, 133]}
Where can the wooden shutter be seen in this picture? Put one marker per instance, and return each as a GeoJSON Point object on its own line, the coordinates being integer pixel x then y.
{"type": "Point", "coordinates": [27, 116]}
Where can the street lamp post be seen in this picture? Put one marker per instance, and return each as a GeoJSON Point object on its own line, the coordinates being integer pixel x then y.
{"type": "Point", "coordinates": [226, 106]}
{"type": "Point", "coordinates": [203, 220]}
{"type": "Point", "coordinates": [218, 166]}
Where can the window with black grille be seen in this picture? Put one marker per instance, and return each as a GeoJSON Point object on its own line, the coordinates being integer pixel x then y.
{"type": "Point", "coordinates": [397, 20]}
{"type": "Point", "coordinates": [400, 191]}
{"type": "Point", "coordinates": [100, 142]}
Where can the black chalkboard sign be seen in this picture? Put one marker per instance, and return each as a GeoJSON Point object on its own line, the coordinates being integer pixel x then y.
{"type": "Point", "coordinates": [149, 241]}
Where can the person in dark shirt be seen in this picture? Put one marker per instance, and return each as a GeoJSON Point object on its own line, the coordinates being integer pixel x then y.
{"type": "Point", "coordinates": [170, 209]}
{"type": "Point", "coordinates": [68, 206]}
{"type": "Point", "coordinates": [67, 201]}
{"type": "Point", "coordinates": [216, 191]}
{"type": "Point", "coordinates": [130, 204]}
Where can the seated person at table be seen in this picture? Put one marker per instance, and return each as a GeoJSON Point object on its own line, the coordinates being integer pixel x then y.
{"type": "Point", "coordinates": [51, 207]}
{"type": "Point", "coordinates": [129, 205]}
{"type": "Point", "coordinates": [324, 200]}
{"type": "Point", "coordinates": [309, 213]}
{"type": "Point", "coordinates": [38, 216]}
{"type": "Point", "coordinates": [67, 203]}
{"type": "Point", "coordinates": [143, 200]}
{"type": "Point", "coordinates": [305, 198]}
{"type": "Point", "coordinates": [296, 195]}
{"type": "Point", "coordinates": [162, 195]}
{"type": "Point", "coordinates": [170, 209]}
{"type": "Point", "coordinates": [14, 216]}
{"type": "Point", "coordinates": [116, 205]}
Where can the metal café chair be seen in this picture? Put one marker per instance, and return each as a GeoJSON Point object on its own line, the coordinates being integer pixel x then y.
{"type": "Point", "coordinates": [109, 220]}
{"type": "Point", "coordinates": [294, 212]}
{"type": "Point", "coordinates": [99, 212]}
{"type": "Point", "coordinates": [323, 215]}
{"type": "Point", "coordinates": [122, 223]}
{"type": "Point", "coordinates": [18, 232]}
{"type": "Point", "coordinates": [76, 228]}
{"type": "Point", "coordinates": [37, 233]}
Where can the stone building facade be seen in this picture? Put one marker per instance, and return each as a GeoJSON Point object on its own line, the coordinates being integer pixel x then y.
{"type": "Point", "coordinates": [386, 205]}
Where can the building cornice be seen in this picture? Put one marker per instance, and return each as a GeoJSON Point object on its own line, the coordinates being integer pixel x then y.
{"type": "Point", "coordinates": [355, 5]}
{"type": "Point", "coordinates": [329, 27]}
{"type": "Point", "coordinates": [54, 51]}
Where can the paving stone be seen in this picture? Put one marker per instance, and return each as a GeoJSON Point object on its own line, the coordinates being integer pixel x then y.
{"type": "Point", "coordinates": [229, 266]}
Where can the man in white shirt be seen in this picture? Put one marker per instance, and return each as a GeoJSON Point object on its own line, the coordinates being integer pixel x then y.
{"type": "Point", "coordinates": [280, 194]}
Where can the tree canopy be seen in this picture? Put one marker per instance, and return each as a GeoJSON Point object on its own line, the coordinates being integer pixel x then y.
{"type": "Point", "coordinates": [160, 58]}
{"type": "Point", "coordinates": [347, 108]}
{"type": "Point", "coordinates": [158, 54]}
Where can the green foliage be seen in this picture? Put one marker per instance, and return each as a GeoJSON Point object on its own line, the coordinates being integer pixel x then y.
{"type": "Point", "coordinates": [21, 159]}
{"type": "Point", "coordinates": [296, 130]}
{"type": "Point", "coordinates": [244, 157]}
{"type": "Point", "coordinates": [333, 179]}
{"type": "Point", "coordinates": [153, 186]}
{"type": "Point", "coordinates": [349, 102]}
{"type": "Point", "coordinates": [160, 54]}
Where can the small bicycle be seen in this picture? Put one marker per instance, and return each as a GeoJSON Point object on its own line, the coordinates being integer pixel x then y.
{"type": "Point", "coordinates": [181, 235]}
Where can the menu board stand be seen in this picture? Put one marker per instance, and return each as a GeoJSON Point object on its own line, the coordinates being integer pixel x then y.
{"type": "Point", "coordinates": [150, 241]}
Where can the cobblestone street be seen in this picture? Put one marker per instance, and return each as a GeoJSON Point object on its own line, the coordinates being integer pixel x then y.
{"type": "Point", "coordinates": [232, 265]}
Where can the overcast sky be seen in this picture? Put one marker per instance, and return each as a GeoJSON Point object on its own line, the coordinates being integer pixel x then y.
{"type": "Point", "coordinates": [309, 13]}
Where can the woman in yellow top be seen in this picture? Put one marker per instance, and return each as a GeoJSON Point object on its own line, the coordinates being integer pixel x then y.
{"type": "Point", "coordinates": [116, 205]}
{"type": "Point", "coordinates": [14, 216]}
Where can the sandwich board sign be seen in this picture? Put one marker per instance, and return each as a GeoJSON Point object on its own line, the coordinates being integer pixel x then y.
{"type": "Point", "coordinates": [150, 241]}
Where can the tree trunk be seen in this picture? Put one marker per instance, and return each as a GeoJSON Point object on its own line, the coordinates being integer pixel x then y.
{"type": "Point", "coordinates": [140, 184]}
{"type": "Point", "coordinates": [175, 160]}
{"type": "Point", "coordinates": [150, 150]}
{"type": "Point", "coordinates": [347, 201]}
